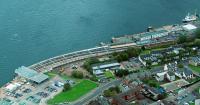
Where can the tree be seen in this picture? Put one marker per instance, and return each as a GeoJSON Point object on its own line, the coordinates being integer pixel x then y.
{"type": "Point", "coordinates": [197, 42]}
{"type": "Point", "coordinates": [94, 78]}
{"type": "Point", "coordinates": [143, 48]}
{"type": "Point", "coordinates": [112, 91]}
{"type": "Point", "coordinates": [125, 55]}
{"type": "Point", "coordinates": [197, 33]}
{"type": "Point", "coordinates": [153, 84]}
{"type": "Point", "coordinates": [133, 52]}
{"type": "Point", "coordinates": [182, 39]}
{"type": "Point", "coordinates": [67, 86]}
{"type": "Point", "coordinates": [77, 74]}
{"type": "Point", "coordinates": [121, 73]}
{"type": "Point", "coordinates": [180, 66]}
{"type": "Point", "coordinates": [148, 64]}
{"type": "Point", "coordinates": [181, 53]}
{"type": "Point", "coordinates": [87, 64]}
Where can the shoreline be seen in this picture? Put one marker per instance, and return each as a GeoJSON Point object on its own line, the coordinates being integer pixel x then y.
{"type": "Point", "coordinates": [56, 61]}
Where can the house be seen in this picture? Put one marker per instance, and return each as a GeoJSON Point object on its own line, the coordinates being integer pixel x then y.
{"type": "Point", "coordinates": [170, 76]}
{"type": "Point", "coordinates": [166, 68]}
{"type": "Point", "coordinates": [197, 102]}
{"type": "Point", "coordinates": [172, 66]}
{"type": "Point", "coordinates": [152, 93]}
{"type": "Point", "coordinates": [189, 27]}
{"type": "Point", "coordinates": [195, 61]}
{"type": "Point", "coordinates": [148, 57]}
{"type": "Point", "coordinates": [12, 87]}
{"type": "Point", "coordinates": [184, 73]}
{"type": "Point", "coordinates": [187, 74]}
{"type": "Point", "coordinates": [178, 73]}
{"type": "Point", "coordinates": [125, 98]}
{"type": "Point", "coordinates": [157, 53]}
{"type": "Point", "coordinates": [160, 76]}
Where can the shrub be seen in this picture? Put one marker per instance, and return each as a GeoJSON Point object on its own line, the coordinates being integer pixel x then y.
{"type": "Point", "coordinates": [77, 74]}
{"type": "Point", "coordinates": [121, 73]}
{"type": "Point", "coordinates": [66, 87]}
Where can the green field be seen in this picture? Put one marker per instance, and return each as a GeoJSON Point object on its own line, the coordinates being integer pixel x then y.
{"type": "Point", "coordinates": [50, 74]}
{"type": "Point", "coordinates": [148, 51]}
{"type": "Point", "coordinates": [108, 74]}
{"type": "Point", "coordinates": [195, 68]}
{"type": "Point", "coordinates": [74, 93]}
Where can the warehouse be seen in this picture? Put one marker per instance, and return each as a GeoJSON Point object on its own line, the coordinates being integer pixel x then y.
{"type": "Point", "coordinates": [31, 75]}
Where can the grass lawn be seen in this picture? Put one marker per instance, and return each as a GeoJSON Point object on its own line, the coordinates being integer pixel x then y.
{"type": "Point", "coordinates": [74, 93]}
{"type": "Point", "coordinates": [108, 74]}
{"type": "Point", "coordinates": [152, 82]}
{"type": "Point", "coordinates": [148, 51]}
{"type": "Point", "coordinates": [65, 77]}
{"type": "Point", "coordinates": [145, 52]}
{"type": "Point", "coordinates": [50, 74]}
{"type": "Point", "coordinates": [195, 68]}
{"type": "Point", "coordinates": [192, 104]}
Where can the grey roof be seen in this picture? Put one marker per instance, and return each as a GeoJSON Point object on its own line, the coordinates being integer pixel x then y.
{"type": "Point", "coordinates": [105, 65]}
{"type": "Point", "coordinates": [153, 33]}
{"type": "Point", "coordinates": [171, 73]}
{"type": "Point", "coordinates": [187, 72]}
{"type": "Point", "coordinates": [195, 59]}
{"type": "Point", "coordinates": [31, 74]}
{"type": "Point", "coordinates": [39, 78]}
{"type": "Point", "coordinates": [25, 72]}
{"type": "Point", "coordinates": [149, 57]}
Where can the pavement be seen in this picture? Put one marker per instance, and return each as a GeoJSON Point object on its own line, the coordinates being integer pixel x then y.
{"type": "Point", "coordinates": [98, 91]}
{"type": "Point", "coordinates": [189, 89]}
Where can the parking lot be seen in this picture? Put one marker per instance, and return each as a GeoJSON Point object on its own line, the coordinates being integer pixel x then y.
{"type": "Point", "coordinates": [30, 94]}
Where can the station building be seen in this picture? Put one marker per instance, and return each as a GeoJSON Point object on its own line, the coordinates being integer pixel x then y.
{"type": "Point", "coordinates": [152, 35]}
{"type": "Point", "coordinates": [31, 75]}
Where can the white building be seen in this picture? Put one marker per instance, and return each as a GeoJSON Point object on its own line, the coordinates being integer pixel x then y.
{"type": "Point", "coordinates": [153, 35]}
{"type": "Point", "coordinates": [189, 27]}
{"type": "Point", "coordinates": [170, 76]}
{"type": "Point", "coordinates": [160, 76]}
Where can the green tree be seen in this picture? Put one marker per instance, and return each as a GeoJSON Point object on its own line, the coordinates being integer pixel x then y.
{"type": "Point", "coordinates": [197, 33]}
{"type": "Point", "coordinates": [182, 39]}
{"type": "Point", "coordinates": [148, 64]}
{"type": "Point", "coordinates": [87, 64]}
{"type": "Point", "coordinates": [67, 86]}
{"type": "Point", "coordinates": [181, 53]}
{"type": "Point", "coordinates": [112, 91]}
{"type": "Point", "coordinates": [121, 73]}
{"type": "Point", "coordinates": [77, 74]}
{"type": "Point", "coordinates": [143, 48]}
{"type": "Point", "coordinates": [197, 42]}
{"type": "Point", "coordinates": [180, 66]}
{"type": "Point", "coordinates": [94, 78]}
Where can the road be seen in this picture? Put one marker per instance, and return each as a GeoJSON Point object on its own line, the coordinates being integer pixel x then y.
{"type": "Point", "coordinates": [189, 89]}
{"type": "Point", "coordinates": [92, 95]}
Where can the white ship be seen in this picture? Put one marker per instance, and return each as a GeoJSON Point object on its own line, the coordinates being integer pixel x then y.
{"type": "Point", "coordinates": [190, 18]}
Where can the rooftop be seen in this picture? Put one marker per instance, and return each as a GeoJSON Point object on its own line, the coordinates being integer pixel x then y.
{"type": "Point", "coordinates": [31, 74]}
{"type": "Point", "coordinates": [153, 33]}
{"type": "Point", "coordinates": [189, 27]}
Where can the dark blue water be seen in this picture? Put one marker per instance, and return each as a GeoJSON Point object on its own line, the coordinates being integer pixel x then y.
{"type": "Point", "coordinates": [34, 30]}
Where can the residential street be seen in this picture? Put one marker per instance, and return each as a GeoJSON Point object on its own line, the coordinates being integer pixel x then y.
{"type": "Point", "coordinates": [189, 89]}
{"type": "Point", "coordinates": [93, 94]}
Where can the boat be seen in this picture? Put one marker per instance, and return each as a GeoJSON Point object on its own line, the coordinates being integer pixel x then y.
{"type": "Point", "coordinates": [190, 18]}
